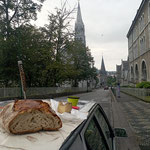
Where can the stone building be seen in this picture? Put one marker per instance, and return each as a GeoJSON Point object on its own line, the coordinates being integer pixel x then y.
{"type": "Point", "coordinates": [124, 73]}
{"type": "Point", "coordinates": [118, 73]}
{"type": "Point", "coordinates": [139, 44]}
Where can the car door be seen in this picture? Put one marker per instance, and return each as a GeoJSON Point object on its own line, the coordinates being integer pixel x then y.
{"type": "Point", "coordinates": [95, 133]}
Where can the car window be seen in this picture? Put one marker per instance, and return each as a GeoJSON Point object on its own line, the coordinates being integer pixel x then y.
{"type": "Point", "coordinates": [93, 137]}
{"type": "Point", "coordinates": [105, 128]}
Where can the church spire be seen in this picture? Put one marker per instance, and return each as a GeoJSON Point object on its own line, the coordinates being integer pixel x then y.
{"type": "Point", "coordinates": [103, 74]}
{"type": "Point", "coordinates": [79, 16]}
{"type": "Point", "coordinates": [103, 70]}
{"type": "Point", "coordinates": [79, 27]}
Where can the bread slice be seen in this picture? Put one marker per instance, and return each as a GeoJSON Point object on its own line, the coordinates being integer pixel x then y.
{"type": "Point", "coordinates": [64, 107]}
{"type": "Point", "coordinates": [28, 116]}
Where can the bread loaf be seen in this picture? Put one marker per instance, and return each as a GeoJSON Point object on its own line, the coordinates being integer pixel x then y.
{"type": "Point", "coordinates": [64, 107]}
{"type": "Point", "coordinates": [28, 116]}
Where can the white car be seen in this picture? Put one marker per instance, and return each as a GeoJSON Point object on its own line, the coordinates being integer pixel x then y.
{"type": "Point", "coordinates": [84, 129]}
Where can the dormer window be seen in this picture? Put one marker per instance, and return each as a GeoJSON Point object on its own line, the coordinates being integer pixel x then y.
{"type": "Point", "coordinates": [143, 21]}
{"type": "Point", "coordinates": [140, 23]}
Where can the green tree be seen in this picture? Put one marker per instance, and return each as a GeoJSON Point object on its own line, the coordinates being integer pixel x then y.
{"type": "Point", "coordinates": [111, 80]}
{"type": "Point", "coordinates": [34, 53]}
{"type": "Point", "coordinates": [57, 32]}
{"type": "Point", "coordinates": [82, 61]}
{"type": "Point", "coordinates": [50, 55]}
{"type": "Point", "coordinates": [14, 13]}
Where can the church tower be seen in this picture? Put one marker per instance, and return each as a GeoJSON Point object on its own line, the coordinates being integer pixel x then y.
{"type": "Point", "coordinates": [79, 27]}
{"type": "Point", "coordinates": [103, 74]}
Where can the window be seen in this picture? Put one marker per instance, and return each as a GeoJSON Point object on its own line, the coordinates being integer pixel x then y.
{"type": "Point", "coordinates": [104, 127]}
{"type": "Point", "coordinates": [135, 33]}
{"type": "Point", "coordinates": [93, 137]}
{"type": "Point", "coordinates": [136, 73]}
{"type": "Point", "coordinates": [149, 35]}
{"type": "Point", "coordinates": [144, 71]}
{"type": "Point", "coordinates": [135, 50]}
{"type": "Point", "coordinates": [132, 74]}
{"type": "Point", "coordinates": [149, 11]}
{"type": "Point", "coordinates": [139, 24]}
{"type": "Point", "coordinates": [143, 21]}
{"type": "Point", "coordinates": [144, 44]}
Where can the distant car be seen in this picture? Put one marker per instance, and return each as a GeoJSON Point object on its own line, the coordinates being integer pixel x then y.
{"type": "Point", "coordinates": [106, 88]}
{"type": "Point", "coordinates": [95, 133]}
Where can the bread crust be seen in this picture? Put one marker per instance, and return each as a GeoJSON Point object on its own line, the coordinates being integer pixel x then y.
{"type": "Point", "coordinates": [19, 107]}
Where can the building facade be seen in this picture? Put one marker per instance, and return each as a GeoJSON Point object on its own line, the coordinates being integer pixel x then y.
{"type": "Point", "coordinates": [124, 73]}
{"type": "Point", "coordinates": [118, 73]}
{"type": "Point", "coordinates": [139, 44]}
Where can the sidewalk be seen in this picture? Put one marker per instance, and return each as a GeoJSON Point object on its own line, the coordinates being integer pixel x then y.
{"type": "Point", "coordinates": [137, 115]}
{"type": "Point", "coordinates": [120, 120]}
{"type": "Point", "coordinates": [126, 98]}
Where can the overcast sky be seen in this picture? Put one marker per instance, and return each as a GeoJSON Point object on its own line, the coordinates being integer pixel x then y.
{"type": "Point", "coordinates": [106, 25]}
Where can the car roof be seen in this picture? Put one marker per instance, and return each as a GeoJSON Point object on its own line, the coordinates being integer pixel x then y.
{"type": "Point", "coordinates": [46, 139]}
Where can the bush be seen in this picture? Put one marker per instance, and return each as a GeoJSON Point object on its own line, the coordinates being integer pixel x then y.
{"type": "Point", "coordinates": [147, 86]}
{"type": "Point", "coordinates": [144, 84]}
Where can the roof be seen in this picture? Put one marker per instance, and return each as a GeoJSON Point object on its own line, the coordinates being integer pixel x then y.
{"type": "Point", "coordinates": [136, 17]}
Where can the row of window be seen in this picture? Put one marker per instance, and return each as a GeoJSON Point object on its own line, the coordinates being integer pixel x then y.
{"type": "Point", "coordinates": [142, 44]}
{"type": "Point", "coordinates": [134, 52]}
{"type": "Point", "coordinates": [138, 28]}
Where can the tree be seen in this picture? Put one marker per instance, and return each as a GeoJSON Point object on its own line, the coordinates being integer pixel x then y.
{"type": "Point", "coordinates": [111, 80]}
{"type": "Point", "coordinates": [14, 13]}
{"type": "Point", "coordinates": [58, 34]}
{"type": "Point", "coordinates": [82, 61]}
{"type": "Point", "coordinates": [50, 55]}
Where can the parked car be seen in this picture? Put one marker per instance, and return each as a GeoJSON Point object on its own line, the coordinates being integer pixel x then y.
{"type": "Point", "coordinates": [95, 133]}
{"type": "Point", "coordinates": [106, 88]}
